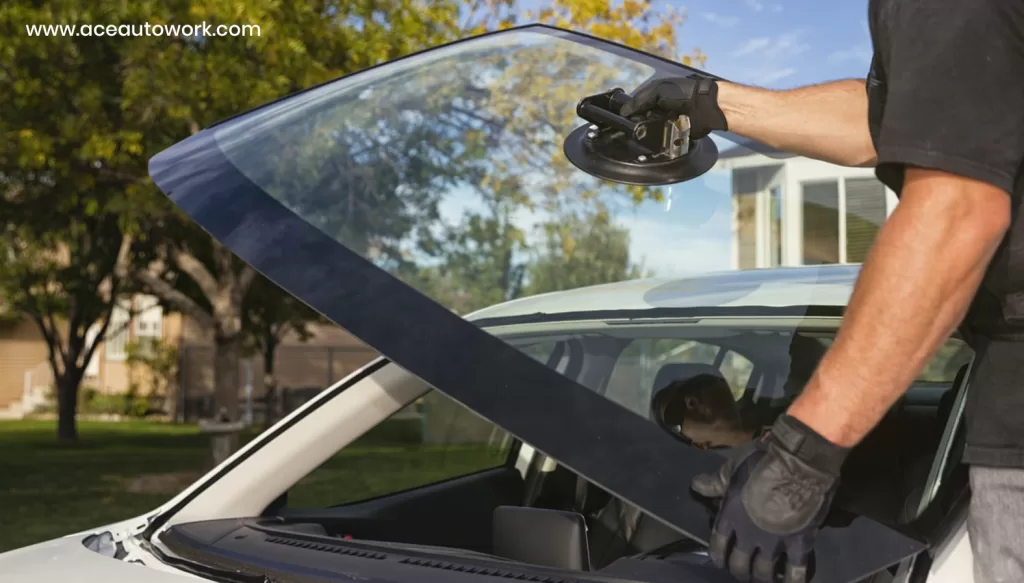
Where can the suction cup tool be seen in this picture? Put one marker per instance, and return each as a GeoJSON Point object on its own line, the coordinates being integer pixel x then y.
{"type": "Point", "coordinates": [649, 150]}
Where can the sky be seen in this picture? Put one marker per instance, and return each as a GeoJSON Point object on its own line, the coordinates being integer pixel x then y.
{"type": "Point", "coordinates": [779, 43]}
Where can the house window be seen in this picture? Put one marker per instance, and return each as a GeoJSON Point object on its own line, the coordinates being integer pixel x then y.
{"type": "Point", "coordinates": [149, 319]}
{"type": "Point", "coordinates": [821, 222]}
{"type": "Point", "coordinates": [775, 221]}
{"type": "Point", "coordinates": [865, 213]}
{"type": "Point", "coordinates": [118, 331]}
{"type": "Point", "coordinates": [745, 217]}
{"type": "Point", "coordinates": [92, 369]}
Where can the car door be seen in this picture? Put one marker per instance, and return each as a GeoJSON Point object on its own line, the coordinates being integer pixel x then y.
{"type": "Point", "coordinates": [351, 195]}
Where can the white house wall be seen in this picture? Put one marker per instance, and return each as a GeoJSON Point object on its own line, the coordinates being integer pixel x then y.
{"type": "Point", "coordinates": [791, 172]}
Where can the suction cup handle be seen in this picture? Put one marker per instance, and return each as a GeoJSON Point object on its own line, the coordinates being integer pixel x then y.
{"type": "Point", "coordinates": [603, 117]}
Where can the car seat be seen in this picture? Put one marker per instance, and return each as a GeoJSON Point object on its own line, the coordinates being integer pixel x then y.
{"type": "Point", "coordinates": [617, 528]}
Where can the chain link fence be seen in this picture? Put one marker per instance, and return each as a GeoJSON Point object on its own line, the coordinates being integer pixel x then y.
{"type": "Point", "coordinates": [301, 371]}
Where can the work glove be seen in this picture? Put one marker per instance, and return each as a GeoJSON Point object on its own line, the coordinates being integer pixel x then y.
{"type": "Point", "coordinates": [776, 492]}
{"type": "Point", "coordinates": [693, 96]}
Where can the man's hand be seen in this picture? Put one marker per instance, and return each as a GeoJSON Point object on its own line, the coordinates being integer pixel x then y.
{"type": "Point", "coordinates": [776, 494]}
{"type": "Point", "coordinates": [693, 96]}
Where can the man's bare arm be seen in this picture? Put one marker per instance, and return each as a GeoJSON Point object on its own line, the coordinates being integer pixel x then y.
{"type": "Point", "coordinates": [913, 291]}
{"type": "Point", "coordinates": [827, 122]}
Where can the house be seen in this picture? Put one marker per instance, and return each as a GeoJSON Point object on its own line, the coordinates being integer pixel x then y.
{"type": "Point", "coordinates": [26, 378]}
{"type": "Point", "coordinates": [790, 210]}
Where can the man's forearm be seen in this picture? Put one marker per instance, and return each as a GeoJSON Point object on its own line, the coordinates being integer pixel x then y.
{"type": "Point", "coordinates": [914, 288]}
{"type": "Point", "coordinates": [827, 122]}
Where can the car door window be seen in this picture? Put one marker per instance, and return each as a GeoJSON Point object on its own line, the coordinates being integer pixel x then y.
{"type": "Point", "coordinates": [631, 381]}
{"type": "Point", "coordinates": [429, 441]}
{"type": "Point", "coordinates": [737, 369]}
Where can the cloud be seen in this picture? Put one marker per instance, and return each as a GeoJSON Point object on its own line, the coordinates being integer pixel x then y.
{"type": "Point", "coordinates": [773, 75]}
{"type": "Point", "coordinates": [860, 52]}
{"type": "Point", "coordinates": [755, 5]}
{"type": "Point", "coordinates": [752, 46]}
{"type": "Point", "coordinates": [785, 45]}
{"type": "Point", "coordinates": [776, 7]}
{"type": "Point", "coordinates": [721, 19]}
{"type": "Point", "coordinates": [767, 59]}
{"type": "Point", "coordinates": [782, 46]}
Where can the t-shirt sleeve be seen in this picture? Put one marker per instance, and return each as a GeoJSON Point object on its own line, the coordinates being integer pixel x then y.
{"type": "Point", "coordinates": [954, 89]}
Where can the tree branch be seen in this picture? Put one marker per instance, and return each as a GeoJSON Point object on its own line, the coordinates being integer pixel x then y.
{"type": "Point", "coordinates": [51, 352]}
{"type": "Point", "coordinates": [182, 302]}
{"type": "Point", "coordinates": [245, 279]}
{"type": "Point", "coordinates": [195, 269]}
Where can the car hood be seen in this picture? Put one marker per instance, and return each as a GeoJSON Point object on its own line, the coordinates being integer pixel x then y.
{"type": "Point", "coordinates": [67, 559]}
{"type": "Point", "coordinates": [325, 191]}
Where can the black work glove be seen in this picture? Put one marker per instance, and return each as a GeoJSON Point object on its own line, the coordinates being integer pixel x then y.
{"type": "Point", "coordinates": [776, 493]}
{"type": "Point", "coordinates": [693, 96]}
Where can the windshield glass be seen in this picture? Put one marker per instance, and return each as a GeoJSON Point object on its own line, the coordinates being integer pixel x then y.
{"type": "Point", "coordinates": [447, 171]}
{"type": "Point", "coordinates": [444, 173]}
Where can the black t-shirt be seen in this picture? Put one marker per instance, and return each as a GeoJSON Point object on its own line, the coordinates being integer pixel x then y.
{"type": "Point", "coordinates": [946, 91]}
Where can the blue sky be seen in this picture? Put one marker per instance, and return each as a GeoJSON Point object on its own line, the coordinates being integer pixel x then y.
{"type": "Point", "coordinates": [774, 43]}
{"type": "Point", "coordinates": [779, 43]}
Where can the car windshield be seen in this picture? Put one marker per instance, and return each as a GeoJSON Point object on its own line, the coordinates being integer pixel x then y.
{"type": "Point", "coordinates": [446, 169]}
{"type": "Point", "coordinates": [404, 200]}
{"type": "Point", "coordinates": [716, 382]}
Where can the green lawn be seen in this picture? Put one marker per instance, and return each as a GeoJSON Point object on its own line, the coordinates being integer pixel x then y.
{"type": "Point", "coordinates": [120, 470]}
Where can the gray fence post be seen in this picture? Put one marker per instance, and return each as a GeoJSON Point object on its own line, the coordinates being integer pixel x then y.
{"type": "Point", "coordinates": [182, 382]}
{"type": "Point", "coordinates": [330, 367]}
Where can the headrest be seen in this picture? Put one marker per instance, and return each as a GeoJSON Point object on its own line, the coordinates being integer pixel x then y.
{"type": "Point", "coordinates": [681, 371]}
{"type": "Point", "coordinates": [676, 372]}
{"type": "Point", "coordinates": [805, 352]}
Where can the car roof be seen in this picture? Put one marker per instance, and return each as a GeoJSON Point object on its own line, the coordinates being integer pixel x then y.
{"type": "Point", "coordinates": [804, 286]}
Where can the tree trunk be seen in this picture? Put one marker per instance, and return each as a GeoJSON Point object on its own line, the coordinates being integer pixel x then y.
{"type": "Point", "coordinates": [67, 407]}
{"type": "Point", "coordinates": [226, 379]}
{"type": "Point", "coordinates": [275, 405]}
{"type": "Point", "coordinates": [226, 383]}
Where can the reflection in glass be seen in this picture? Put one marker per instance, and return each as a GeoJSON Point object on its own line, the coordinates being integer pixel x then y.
{"type": "Point", "coordinates": [865, 212]}
{"type": "Point", "coordinates": [775, 210]}
{"type": "Point", "coordinates": [446, 170]}
{"type": "Point", "coordinates": [821, 222]}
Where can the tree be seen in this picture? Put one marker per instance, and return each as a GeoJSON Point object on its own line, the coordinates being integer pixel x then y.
{"type": "Point", "coordinates": [157, 363]}
{"type": "Point", "coordinates": [488, 261]}
{"type": "Point", "coordinates": [581, 250]}
{"type": "Point", "coordinates": [73, 184]}
{"type": "Point", "coordinates": [269, 315]}
{"type": "Point", "coordinates": [190, 83]}
{"type": "Point", "coordinates": [523, 106]}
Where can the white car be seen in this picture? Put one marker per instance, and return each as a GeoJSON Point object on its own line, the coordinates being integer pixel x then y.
{"type": "Point", "coordinates": [595, 405]}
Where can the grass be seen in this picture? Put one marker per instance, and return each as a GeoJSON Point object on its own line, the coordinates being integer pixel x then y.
{"type": "Point", "coordinates": [120, 470]}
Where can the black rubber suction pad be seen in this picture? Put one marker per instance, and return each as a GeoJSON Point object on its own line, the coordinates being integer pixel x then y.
{"type": "Point", "coordinates": [611, 156]}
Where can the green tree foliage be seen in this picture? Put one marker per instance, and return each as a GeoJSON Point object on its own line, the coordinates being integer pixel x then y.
{"type": "Point", "coordinates": [189, 84]}
{"type": "Point", "coordinates": [581, 250]}
{"type": "Point", "coordinates": [73, 185]}
{"type": "Point", "coordinates": [487, 260]}
{"type": "Point", "coordinates": [80, 116]}
{"type": "Point", "coordinates": [154, 369]}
